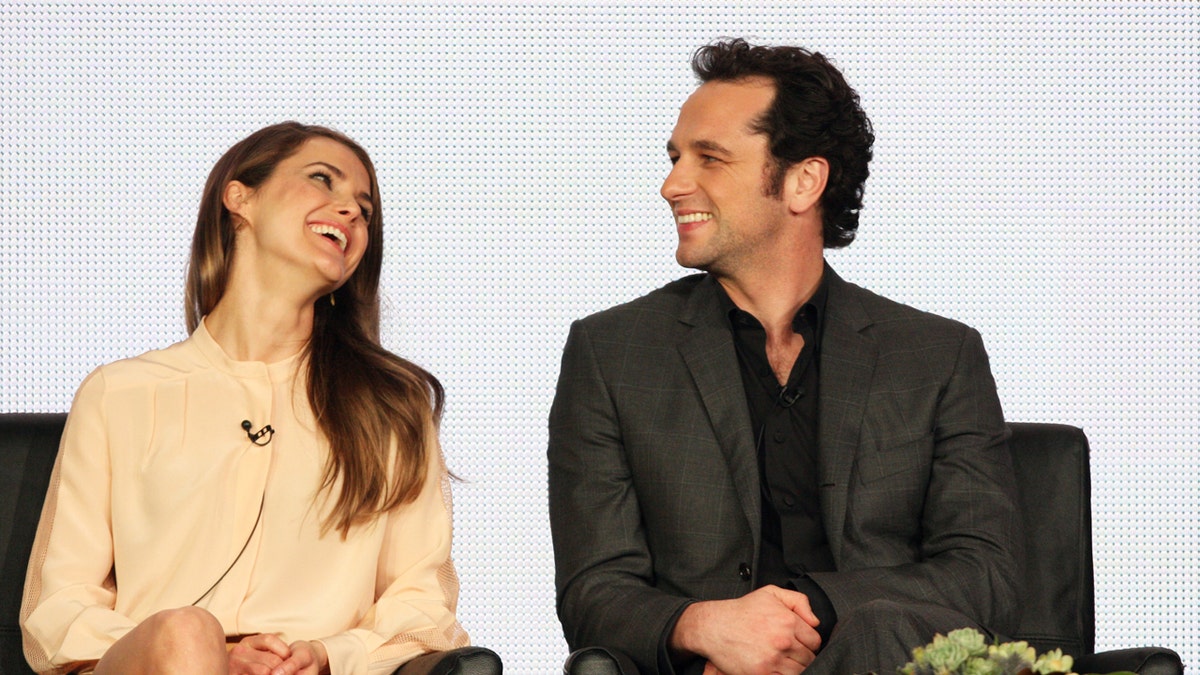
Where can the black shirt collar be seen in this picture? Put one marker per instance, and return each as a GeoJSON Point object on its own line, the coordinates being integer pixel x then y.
{"type": "Point", "coordinates": [810, 313]}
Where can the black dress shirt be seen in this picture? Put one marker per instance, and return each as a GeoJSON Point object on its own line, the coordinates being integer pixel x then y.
{"type": "Point", "coordinates": [785, 420]}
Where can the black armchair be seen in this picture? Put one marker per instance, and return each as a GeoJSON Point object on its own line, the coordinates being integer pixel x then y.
{"type": "Point", "coordinates": [28, 447]}
{"type": "Point", "coordinates": [1055, 485]}
{"type": "Point", "coordinates": [1054, 479]}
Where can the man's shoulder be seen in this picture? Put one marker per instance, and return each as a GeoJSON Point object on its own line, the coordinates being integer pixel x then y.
{"type": "Point", "coordinates": [893, 319]}
{"type": "Point", "coordinates": [662, 306]}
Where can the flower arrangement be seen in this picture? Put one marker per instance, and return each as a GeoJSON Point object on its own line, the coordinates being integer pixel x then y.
{"type": "Point", "coordinates": [965, 652]}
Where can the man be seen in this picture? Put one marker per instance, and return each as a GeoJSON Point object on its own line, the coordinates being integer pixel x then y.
{"type": "Point", "coordinates": [764, 465]}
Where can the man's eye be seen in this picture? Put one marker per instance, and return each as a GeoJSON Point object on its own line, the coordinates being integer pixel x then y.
{"type": "Point", "coordinates": [709, 159]}
{"type": "Point", "coordinates": [323, 177]}
{"type": "Point", "coordinates": [674, 159]}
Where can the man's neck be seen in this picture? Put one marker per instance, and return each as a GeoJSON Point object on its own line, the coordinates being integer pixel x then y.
{"type": "Point", "coordinates": [774, 297]}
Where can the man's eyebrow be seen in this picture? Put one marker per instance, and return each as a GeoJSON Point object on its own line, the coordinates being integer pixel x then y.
{"type": "Point", "coordinates": [340, 174]}
{"type": "Point", "coordinates": [702, 145]}
{"type": "Point", "coordinates": [710, 146]}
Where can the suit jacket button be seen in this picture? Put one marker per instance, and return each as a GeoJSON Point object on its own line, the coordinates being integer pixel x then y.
{"type": "Point", "coordinates": [744, 572]}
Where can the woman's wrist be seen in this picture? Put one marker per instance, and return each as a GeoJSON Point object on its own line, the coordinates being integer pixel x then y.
{"type": "Point", "coordinates": [322, 656]}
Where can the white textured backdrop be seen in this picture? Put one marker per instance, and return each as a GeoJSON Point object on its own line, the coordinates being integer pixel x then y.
{"type": "Point", "coordinates": [1037, 175]}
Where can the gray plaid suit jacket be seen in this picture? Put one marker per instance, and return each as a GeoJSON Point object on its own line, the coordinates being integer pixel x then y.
{"type": "Point", "coordinates": [653, 476]}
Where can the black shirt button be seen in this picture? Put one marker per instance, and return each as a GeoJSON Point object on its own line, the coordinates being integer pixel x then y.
{"type": "Point", "coordinates": [788, 501]}
{"type": "Point", "coordinates": [780, 437]}
{"type": "Point", "coordinates": [744, 572]}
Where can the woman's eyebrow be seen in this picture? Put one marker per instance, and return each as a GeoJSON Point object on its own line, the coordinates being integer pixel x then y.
{"type": "Point", "coordinates": [340, 174]}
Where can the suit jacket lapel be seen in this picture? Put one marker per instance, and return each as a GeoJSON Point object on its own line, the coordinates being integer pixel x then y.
{"type": "Point", "coordinates": [711, 358]}
{"type": "Point", "coordinates": [847, 363]}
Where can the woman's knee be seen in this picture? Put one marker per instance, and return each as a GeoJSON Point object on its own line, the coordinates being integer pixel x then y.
{"type": "Point", "coordinates": [183, 640]}
{"type": "Point", "coordinates": [186, 626]}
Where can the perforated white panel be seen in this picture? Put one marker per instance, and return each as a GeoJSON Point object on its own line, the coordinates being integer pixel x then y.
{"type": "Point", "coordinates": [1037, 176]}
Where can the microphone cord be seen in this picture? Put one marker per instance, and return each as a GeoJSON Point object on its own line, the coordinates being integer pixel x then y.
{"type": "Point", "coordinates": [258, 519]}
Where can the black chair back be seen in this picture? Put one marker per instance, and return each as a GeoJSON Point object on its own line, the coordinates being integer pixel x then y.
{"type": "Point", "coordinates": [1054, 484]}
{"type": "Point", "coordinates": [28, 446]}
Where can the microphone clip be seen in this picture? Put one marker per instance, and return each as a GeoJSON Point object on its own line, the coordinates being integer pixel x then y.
{"type": "Point", "coordinates": [788, 396]}
{"type": "Point", "coordinates": [257, 436]}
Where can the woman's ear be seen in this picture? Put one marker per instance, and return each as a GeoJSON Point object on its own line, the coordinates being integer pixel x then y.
{"type": "Point", "coordinates": [806, 183]}
{"type": "Point", "coordinates": [236, 197]}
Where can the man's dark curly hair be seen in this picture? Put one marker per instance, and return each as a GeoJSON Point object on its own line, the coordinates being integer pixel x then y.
{"type": "Point", "coordinates": [814, 114]}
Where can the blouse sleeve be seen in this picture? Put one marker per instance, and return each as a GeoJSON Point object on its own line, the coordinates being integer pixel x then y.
{"type": "Point", "coordinates": [67, 615]}
{"type": "Point", "coordinates": [416, 586]}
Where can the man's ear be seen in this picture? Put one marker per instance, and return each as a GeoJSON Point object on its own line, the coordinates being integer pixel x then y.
{"type": "Point", "coordinates": [236, 197]}
{"type": "Point", "coordinates": [805, 183]}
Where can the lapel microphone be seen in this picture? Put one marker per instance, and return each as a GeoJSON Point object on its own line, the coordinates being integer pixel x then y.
{"type": "Point", "coordinates": [787, 397]}
{"type": "Point", "coordinates": [256, 436]}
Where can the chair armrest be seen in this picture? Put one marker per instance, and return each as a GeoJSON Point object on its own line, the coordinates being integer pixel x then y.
{"type": "Point", "coordinates": [599, 661]}
{"type": "Point", "coordinates": [1141, 660]}
{"type": "Point", "coordinates": [461, 661]}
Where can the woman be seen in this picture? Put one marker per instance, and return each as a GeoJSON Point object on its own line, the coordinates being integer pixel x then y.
{"type": "Point", "coordinates": [267, 496]}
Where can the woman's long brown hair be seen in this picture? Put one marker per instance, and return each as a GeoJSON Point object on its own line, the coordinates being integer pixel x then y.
{"type": "Point", "coordinates": [364, 398]}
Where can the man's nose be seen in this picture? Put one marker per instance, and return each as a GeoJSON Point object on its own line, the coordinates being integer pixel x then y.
{"type": "Point", "coordinates": [678, 183]}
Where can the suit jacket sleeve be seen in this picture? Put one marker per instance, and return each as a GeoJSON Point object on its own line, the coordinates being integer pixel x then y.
{"type": "Point", "coordinates": [604, 572]}
{"type": "Point", "coordinates": [959, 476]}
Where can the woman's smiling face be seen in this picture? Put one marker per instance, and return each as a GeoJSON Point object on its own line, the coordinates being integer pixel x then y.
{"type": "Point", "coordinates": [312, 211]}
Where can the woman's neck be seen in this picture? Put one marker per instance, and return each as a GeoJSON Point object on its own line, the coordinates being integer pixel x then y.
{"type": "Point", "coordinates": [259, 328]}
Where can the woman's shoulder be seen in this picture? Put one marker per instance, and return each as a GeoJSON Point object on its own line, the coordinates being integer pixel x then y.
{"type": "Point", "coordinates": [177, 360]}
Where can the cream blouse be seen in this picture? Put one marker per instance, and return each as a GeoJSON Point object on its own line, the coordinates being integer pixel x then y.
{"type": "Point", "coordinates": [157, 488]}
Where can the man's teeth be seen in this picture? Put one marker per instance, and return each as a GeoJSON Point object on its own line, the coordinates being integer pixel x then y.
{"type": "Point", "coordinates": [693, 218]}
{"type": "Point", "coordinates": [331, 231]}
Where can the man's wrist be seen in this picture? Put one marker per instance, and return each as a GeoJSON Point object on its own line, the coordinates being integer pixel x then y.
{"type": "Point", "coordinates": [690, 638]}
{"type": "Point", "coordinates": [670, 660]}
{"type": "Point", "coordinates": [686, 640]}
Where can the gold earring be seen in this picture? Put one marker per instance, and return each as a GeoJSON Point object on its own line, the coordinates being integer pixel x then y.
{"type": "Point", "coordinates": [332, 302]}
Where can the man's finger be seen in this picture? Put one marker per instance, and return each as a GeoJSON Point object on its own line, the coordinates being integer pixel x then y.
{"type": "Point", "coordinates": [797, 602]}
{"type": "Point", "coordinates": [806, 633]}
